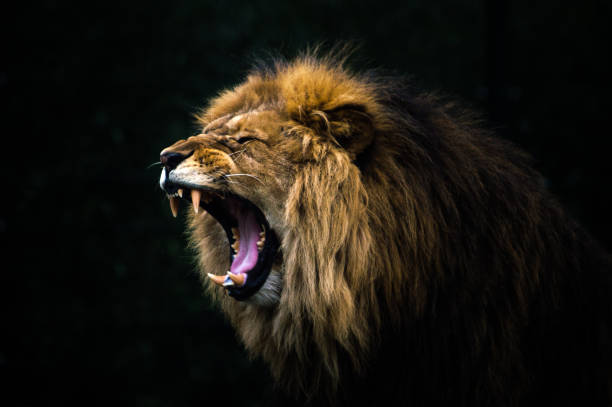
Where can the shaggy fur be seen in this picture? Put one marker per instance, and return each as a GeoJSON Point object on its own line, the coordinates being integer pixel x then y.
{"type": "Point", "coordinates": [422, 260]}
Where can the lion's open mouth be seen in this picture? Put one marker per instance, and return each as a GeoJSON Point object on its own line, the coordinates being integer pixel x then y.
{"type": "Point", "coordinates": [252, 244]}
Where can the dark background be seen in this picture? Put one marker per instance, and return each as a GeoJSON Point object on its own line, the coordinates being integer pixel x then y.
{"type": "Point", "coordinates": [102, 305]}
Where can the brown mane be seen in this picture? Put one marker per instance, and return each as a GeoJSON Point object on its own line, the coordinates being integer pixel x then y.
{"type": "Point", "coordinates": [420, 254]}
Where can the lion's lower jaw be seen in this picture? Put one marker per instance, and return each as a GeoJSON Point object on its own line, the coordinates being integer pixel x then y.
{"type": "Point", "coordinates": [269, 293]}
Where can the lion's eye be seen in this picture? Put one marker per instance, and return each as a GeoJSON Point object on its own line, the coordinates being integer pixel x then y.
{"type": "Point", "coordinates": [243, 140]}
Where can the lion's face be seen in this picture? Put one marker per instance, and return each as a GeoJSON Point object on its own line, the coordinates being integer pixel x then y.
{"type": "Point", "coordinates": [238, 171]}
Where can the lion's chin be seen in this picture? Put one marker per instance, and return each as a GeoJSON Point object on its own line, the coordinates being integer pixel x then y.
{"type": "Point", "coordinates": [253, 245]}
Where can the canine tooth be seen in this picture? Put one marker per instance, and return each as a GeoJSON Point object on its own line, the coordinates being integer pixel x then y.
{"type": "Point", "coordinates": [238, 279]}
{"type": "Point", "coordinates": [174, 206]}
{"type": "Point", "coordinates": [195, 199]}
{"type": "Point", "coordinates": [216, 279]}
{"type": "Point", "coordinates": [180, 192]}
{"type": "Point", "coordinates": [228, 283]}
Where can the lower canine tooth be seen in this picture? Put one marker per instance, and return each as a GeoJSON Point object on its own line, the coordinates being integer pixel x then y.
{"type": "Point", "coordinates": [238, 279]}
{"type": "Point", "coordinates": [228, 282]}
{"type": "Point", "coordinates": [216, 279]}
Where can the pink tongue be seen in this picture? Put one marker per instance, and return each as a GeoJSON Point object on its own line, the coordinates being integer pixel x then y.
{"type": "Point", "coordinates": [249, 235]}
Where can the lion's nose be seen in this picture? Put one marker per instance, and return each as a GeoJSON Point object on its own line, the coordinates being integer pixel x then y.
{"type": "Point", "coordinates": [170, 159]}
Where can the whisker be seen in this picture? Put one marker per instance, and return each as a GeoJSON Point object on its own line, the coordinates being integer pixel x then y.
{"type": "Point", "coordinates": [243, 175]}
{"type": "Point", "coordinates": [157, 163]}
{"type": "Point", "coordinates": [236, 152]}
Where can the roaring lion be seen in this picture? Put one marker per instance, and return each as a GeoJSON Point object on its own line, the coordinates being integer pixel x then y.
{"type": "Point", "coordinates": [374, 243]}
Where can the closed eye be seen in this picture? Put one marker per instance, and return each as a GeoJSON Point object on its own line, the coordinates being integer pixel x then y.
{"type": "Point", "coordinates": [243, 140]}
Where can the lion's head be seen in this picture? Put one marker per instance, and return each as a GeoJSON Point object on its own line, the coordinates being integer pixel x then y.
{"type": "Point", "coordinates": [327, 204]}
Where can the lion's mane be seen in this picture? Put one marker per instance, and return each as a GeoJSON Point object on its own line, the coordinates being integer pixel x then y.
{"type": "Point", "coordinates": [423, 258]}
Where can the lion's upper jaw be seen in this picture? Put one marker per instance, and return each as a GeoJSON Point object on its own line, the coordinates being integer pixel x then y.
{"type": "Point", "coordinates": [206, 176]}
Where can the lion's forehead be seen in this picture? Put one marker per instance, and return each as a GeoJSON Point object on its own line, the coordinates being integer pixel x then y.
{"type": "Point", "coordinates": [261, 118]}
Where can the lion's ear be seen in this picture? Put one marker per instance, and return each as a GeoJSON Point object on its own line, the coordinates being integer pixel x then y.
{"type": "Point", "coordinates": [348, 126]}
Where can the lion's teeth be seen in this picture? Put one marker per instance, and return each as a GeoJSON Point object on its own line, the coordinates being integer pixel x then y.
{"type": "Point", "coordinates": [238, 279]}
{"type": "Point", "coordinates": [180, 192]}
{"type": "Point", "coordinates": [236, 236]}
{"type": "Point", "coordinates": [174, 205]}
{"type": "Point", "coordinates": [195, 199]}
{"type": "Point", "coordinates": [228, 282]}
{"type": "Point", "coordinates": [216, 279]}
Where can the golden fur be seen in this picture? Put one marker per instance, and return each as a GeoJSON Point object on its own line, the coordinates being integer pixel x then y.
{"type": "Point", "coordinates": [414, 246]}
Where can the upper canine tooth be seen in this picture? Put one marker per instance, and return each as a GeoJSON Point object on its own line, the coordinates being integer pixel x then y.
{"type": "Point", "coordinates": [174, 205]}
{"type": "Point", "coordinates": [195, 199]}
{"type": "Point", "coordinates": [180, 192]}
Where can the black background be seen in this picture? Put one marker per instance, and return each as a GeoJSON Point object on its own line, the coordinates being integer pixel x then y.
{"type": "Point", "coordinates": [102, 305]}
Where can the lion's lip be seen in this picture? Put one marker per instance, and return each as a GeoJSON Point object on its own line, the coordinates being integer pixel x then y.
{"type": "Point", "coordinates": [252, 243]}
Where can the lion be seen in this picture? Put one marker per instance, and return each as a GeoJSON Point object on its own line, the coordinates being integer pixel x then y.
{"type": "Point", "coordinates": [370, 242]}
